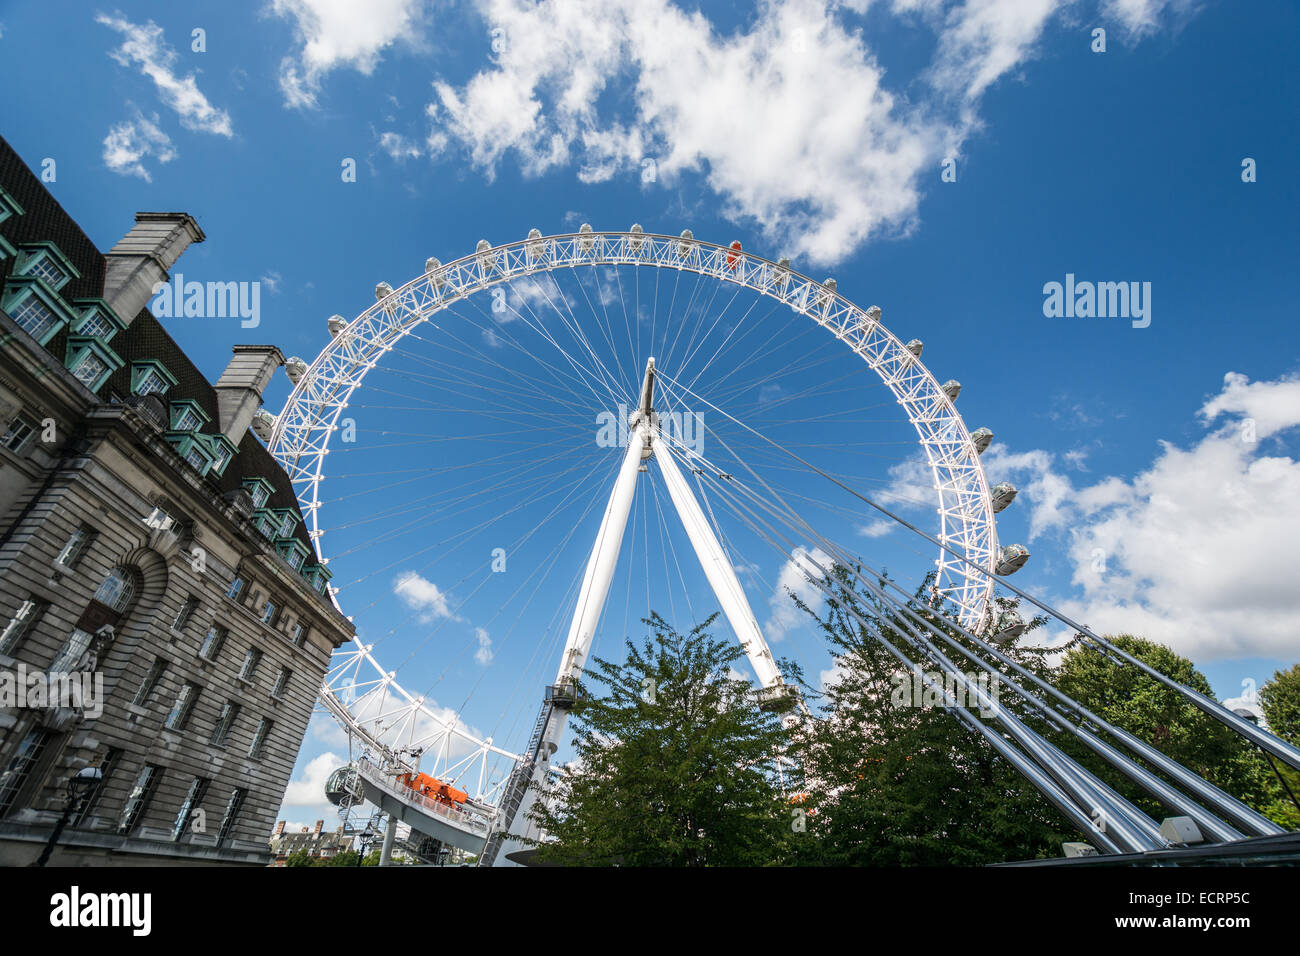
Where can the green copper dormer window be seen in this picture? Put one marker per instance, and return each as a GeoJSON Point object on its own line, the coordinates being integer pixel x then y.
{"type": "Point", "coordinates": [37, 311]}
{"type": "Point", "coordinates": [97, 319]}
{"type": "Point", "coordinates": [220, 448]}
{"type": "Point", "coordinates": [194, 452]}
{"type": "Point", "coordinates": [259, 489]}
{"type": "Point", "coordinates": [294, 553]}
{"type": "Point", "coordinates": [150, 377]}
{"type": "Point", "coordinates": [317, 576]}
{"type": "Point", "coordinates": [187, 416]}
{"type": "Point", "coordinates": [91, 361]}
{"type": "Point", "coordinates": [44, 261]}
{"type": "Point", "coordinates": [265, 522]}
{"type": "Point", "coordinates": [9, 206]}
{"type": "Point", "coordinates": [288, 521]}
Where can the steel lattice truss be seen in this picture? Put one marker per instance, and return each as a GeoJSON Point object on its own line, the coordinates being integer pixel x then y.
{"type": "Point", "coordinates": [301, 434]}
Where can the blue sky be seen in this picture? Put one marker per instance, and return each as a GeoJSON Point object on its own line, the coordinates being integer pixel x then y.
{"type": "Point", "coordinates": [812, 131]}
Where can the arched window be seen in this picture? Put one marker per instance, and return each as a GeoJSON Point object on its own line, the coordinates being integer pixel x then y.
{"type": "Point", "coordinates": [117, 589]}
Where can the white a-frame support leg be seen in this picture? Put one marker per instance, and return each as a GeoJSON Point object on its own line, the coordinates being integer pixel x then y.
{"type": "Point", "coordinates": [643, 442]}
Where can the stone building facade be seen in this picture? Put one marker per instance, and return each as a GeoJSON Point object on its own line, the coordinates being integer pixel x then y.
{"type": "Point", "coordinates": [150, 548]}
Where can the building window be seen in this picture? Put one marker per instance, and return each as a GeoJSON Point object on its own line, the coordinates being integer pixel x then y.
{"type": "Point", "coordinates": [259, 738]}
{"type": "Point", "coordinates": [150, 683]}
{"type": "Point", "coordinates": [43, 266]}
{"type": "Point", "coordinates": [193, 797]}
{"type": "Point", "coordinates": [89, 369]}
{"type": "Point", "coordinates": [269, 613]}
{"type": "Point", "coordinates": [233, 806]}
{"type": "Point", "coordinates": [299, 634]}
{"type": "Point", "coordinates": [96, 324]}
{"type": "Point", "coordinates": [181, 709]}
{"type": "Point", "coordinates": [185, 419]}
{"type": "Point", "coordinates": [286, 526]}
{"type": "Point", "coordinates": [91, 801]}
{"type": "Point", "coordinates": [281, 682]}
{"type": "Point", "coordinates": [117, 589]}
{"type": "Point", "coordinates": [251, 660]}
{"type": "Point", "coordinates": [18, 434]}
{"type": "Point", "coordinates": [20, 624]}
{"type": "Point", "coordinates": [151, 382]}
{"type": "Point", "coordinates": [295, 559]}
{"type": "Point", "coordinates": [20, 768]}
{"type": "Point", "coordinates": [225, 723]}
{"type": "Point", "coordinates": [73, 652]}
{"type": "Point", "coordinates": [76, 546]}
{"type": "Point", "coordinates": [185, 613]}
{"type": "Point", "coordinates": [211, 645]}
{"type": "Point", "coordinates": [196, 459]}
{"type": "Point", "coordinates": [236, 589]}
{"type": "Point", "coordinates": [138, 799]}
{"type": "Point", "coordinates": [259, 493]}
{"type": "Point", "coordinates": [35, 318]}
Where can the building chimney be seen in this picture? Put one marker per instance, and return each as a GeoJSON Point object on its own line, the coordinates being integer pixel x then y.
{"type": "Point", "coordinates": [319, 824]}
{"type": "Point", "coordinates": [143, 257]}
{"type": "Point", "coordinates": [279, 828]}
{"type": "Point", "coordinates": [239, 390]}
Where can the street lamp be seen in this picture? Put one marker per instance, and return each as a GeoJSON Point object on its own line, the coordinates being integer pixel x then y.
{"type": "Point", "coordinates": [366, 838]}
{"type": "Point", "coordinates": [80, 786]}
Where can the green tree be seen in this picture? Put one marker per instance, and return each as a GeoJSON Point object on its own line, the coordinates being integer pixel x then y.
{"type": "Point", "coordinates": [675, 764]}
{"type": "Point", "coordinates": [1123, 695]}
{"type": "Point", "coordinates": [299, 858]}
{"type": "Point", "coordinates": [1280, 699]}
{"type": "Point", "coordinates": [893, 781]}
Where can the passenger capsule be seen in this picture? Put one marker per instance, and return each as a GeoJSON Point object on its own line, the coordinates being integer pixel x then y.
{"type": "Point", "coordinates": [1002, 494]}
{"type": "Point", "coordinates": [916, 347]}
{"type": "Point", "coordinates": [1008, 627]}
{"type": "Point", "coordinates": [263, 424]}
{"type": "Point", "coordinates": [383, 291]}
{"type": "Point", "coordinates": [782, 273]}
{"type": "Point", "coordinates": [687, 240]}
{"type": "Point", "coordinates": [1012, 558]}
{"type": "Point", "coordinates": [587, 240]}
{"type": "Point", "coordinates": [636, 232]}
{"type": "Point", "coordinates": [433, 267]}
{"type": "Point", "coordinates": [295, 368]}
{"type": "Point", "coordinates": [981, 437]}
{"type": "Point", "coordinates": [336, 325]}
{"type": "Point", "coordinates": [951, 388]}
{"type": "Point", "coordinates": [732, 258]}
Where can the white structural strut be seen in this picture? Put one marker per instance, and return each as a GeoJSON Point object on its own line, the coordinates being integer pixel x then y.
{"type": "Point", "coordinates": [644, 442]}
{"type": "Point", "coordinates": [604, 557]}
{"type": "Point", "coordinates": [718, 569]}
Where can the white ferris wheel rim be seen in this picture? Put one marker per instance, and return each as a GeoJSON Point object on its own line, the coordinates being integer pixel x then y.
{"type": "Point", "coordinates": [301, 434]}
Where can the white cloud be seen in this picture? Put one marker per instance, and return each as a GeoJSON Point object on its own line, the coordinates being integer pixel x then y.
{"type": "Point", "coordinates": [272, 282]}
{"type": "Point", "coordinates": [484, 653]}
{"type": "Point", "coordinates": [1142, 17]}
{"type": "Point", "coordinates": [398, 147]}
{"type": "Point", "coordinates": [787, 120]}
{"type": "Point", "coordinates": [421, 594]}
{"type": "Point", "coordinates": [796, 578]}
{"type": "Point", "coordinates": [144, 46]}
{"type": "Point", "coordinates": [128, 143]}
{"type": "Point", "coordinates": [876, 529]}
{"type": "Point", "coordinates": [339, 33]}
{"type": "Point", "coordinates": [309, 789]}
{"type": "Point", "coordinates": [1196, 550]}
